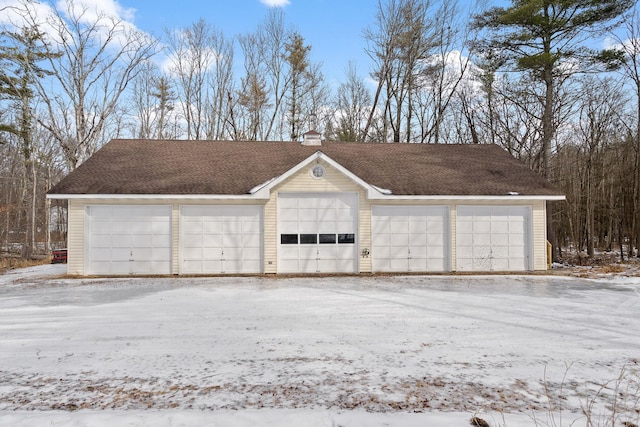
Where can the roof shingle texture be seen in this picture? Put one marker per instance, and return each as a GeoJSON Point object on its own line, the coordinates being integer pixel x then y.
{"type": "Point", "coordinates": [128, 166]}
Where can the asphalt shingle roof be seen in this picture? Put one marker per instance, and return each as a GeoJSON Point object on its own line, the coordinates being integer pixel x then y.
{"type": "Point", "coordinates": [129, 166]}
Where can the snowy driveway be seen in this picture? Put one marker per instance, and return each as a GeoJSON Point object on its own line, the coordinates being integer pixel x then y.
{"type": "Point", "coordinates": [381, 344]}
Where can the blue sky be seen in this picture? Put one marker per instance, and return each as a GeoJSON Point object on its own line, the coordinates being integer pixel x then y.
{"type": "Point", "coordinates": [333, 28]}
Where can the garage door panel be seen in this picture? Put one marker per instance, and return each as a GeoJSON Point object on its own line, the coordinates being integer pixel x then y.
{"type": "Point", "coordinates": [127, 239]}
{"type": "Point", "coordinates": [481, 251]}
{"type": "Point", "coordinates": [327, 252]}
{"type": "Point", "coordinates": [419, 252]}
{"type": "Point", "coordinates": [500, 264]}
{"type": "Point", "coordinates": [482, 239]}
{"type": "Point", "coordinates": [142, 241]}
{"type": "Point", "coordinates": [399, 264]}
{"type": "Point", "coordinates": [500, 246]}
{"type": "Point", "coordinates": [345, 227]}
{"type": "Point", "coordinates": [210, 241]}
{"type": "Point", "coordinates": [227, 235]}
{"type": "Point", "coordinates": [207, 253]}
{"type": "Point", "coordinates": [464, 227]}
{"type": "Point", "coordinates": [398, 252]}
{"type": "Point", "coordinates": [381, 252]}
{"type": "Point", "coordinates": [101, 241]}
{"type": "Point", "coordinates": [214, 265]}
{"type": "Point", "coordinates": [481, 226]}
{"type": "Point", "coordinates": [252, 227]}
{"type": "Point", "coordinates": [398, 225]}
{"type": "Point", "coordinates": [316, 220]}
{"type": "Point", "coordinates": [231, 227]}
{"type": "Point", "coordinates": [417, 235]}
{"type": "Point", "coordinates": [327, 215]}
{"type": "Point", "coordinates": [502, 252]}
{"type": "Point", "coordinates": [399, 239]}
{"type": "Point", "coordinates": [516, 240]}
{"type": "Point", "coordinates": [306, 227]}
{"type": "Point", "coordinates": [327, 265]}
{"type": "Point", "coordinates": [191, 227]}
{"type": "Point", "coordinates": [464, 252]}
{"type": "Point", "coordinates": [111, 267]}
{"type": "Point", "coordinates": [418, 226]}
{"type": "Point", "coordinates": [500, 239]}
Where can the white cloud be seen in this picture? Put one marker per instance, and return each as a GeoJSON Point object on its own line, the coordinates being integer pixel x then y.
{"type": "Point", "coordinates": [21, 13]}
{"type": "Point", "coordinates": [275, 3]}
{"type": "Point", "coordinates": [90, 10]}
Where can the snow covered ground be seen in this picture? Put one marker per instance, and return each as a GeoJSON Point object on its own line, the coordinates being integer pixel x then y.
{"type": "Point", "coordinates": [327, 351]}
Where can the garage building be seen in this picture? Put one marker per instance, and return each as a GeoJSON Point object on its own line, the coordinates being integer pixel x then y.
{"type": "Point", "coordinates": [225, 207]}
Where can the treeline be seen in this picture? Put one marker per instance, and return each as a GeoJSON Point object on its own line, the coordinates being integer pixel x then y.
{"type": "Point", "coordinates": [528, 77]}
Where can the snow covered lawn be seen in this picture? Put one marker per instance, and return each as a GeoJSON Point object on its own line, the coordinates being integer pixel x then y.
{"type": "Point", "coordinates": [349, 351]}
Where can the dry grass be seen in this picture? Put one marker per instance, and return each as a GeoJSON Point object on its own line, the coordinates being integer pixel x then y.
{"type": "Point", "coordinates": [11, 263]}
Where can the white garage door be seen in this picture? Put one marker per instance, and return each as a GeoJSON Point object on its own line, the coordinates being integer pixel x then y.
{"type": "Point", "coordinates": [317, 233]}
{"type": "Point", "coordinates": [128, 240]}
{"type": "Point", "coordinates": [220, 239]}
{"type": "Point", "coordinates": [409, 238]}
{"type": "Point", "coordinates": [493, 238]}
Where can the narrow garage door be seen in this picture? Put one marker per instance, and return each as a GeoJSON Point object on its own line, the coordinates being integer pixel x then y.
{"type": "Point", "coordinates": [409, 238]}
{"type": "Point", "coordinates": [493, 238]}
{"type": "Point", "coordinates": [128, 240]}
{"type": "Point", "coordinates": [220, 239]}
{"type": "Point", "coordinates": [317, 232]}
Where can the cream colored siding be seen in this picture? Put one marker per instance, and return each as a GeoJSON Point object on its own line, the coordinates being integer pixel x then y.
{"type": "Point", "coordinates": [453, 215]}
{"type": "Point", "coordinates": [175, 235]}
{"type": "Point", "coordinates": [365, 234]}
{"type": "Point", "coordinates": [539, 221]}
{"type": "Point", "coordinates": [75, 238]}
{"type": "Point", "coordinates": [270, 238]}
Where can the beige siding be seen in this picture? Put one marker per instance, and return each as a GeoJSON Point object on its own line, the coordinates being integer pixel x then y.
{"type": "Point", "coordinates": [270, 238]}
{"type": "Point", "coordinates": [539, 226]}
{"type": "Point", "coordinates": [75, 238]}
{"type": "Point", "coordinates": [453, 217]}
{"type": "Point", "coordinates": [175, 238]}
{"type": "Point", "coordinates": [365, 233]}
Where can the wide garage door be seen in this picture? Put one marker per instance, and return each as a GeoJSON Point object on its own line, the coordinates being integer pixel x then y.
{"type": "Point", "coordinates": [409, 238]}
{"type": "Point", "coordinates": [493, 238]}
{"type": "Point", "coordinates": [317, 232]}
{"type": "Point", "coordinates": [220, 239]}
{"type": "Point", "coordinates": [128, 240]}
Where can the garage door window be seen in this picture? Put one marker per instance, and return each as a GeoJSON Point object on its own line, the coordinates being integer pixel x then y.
{"type": "Point", "coordinates": [346, 238]}
{"type": "Point", "coordinates": [289, 239]}
{"type": "Point", "coordinates": [327, 239]}
{"type": "Point", "coordinates": [308, 239]}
